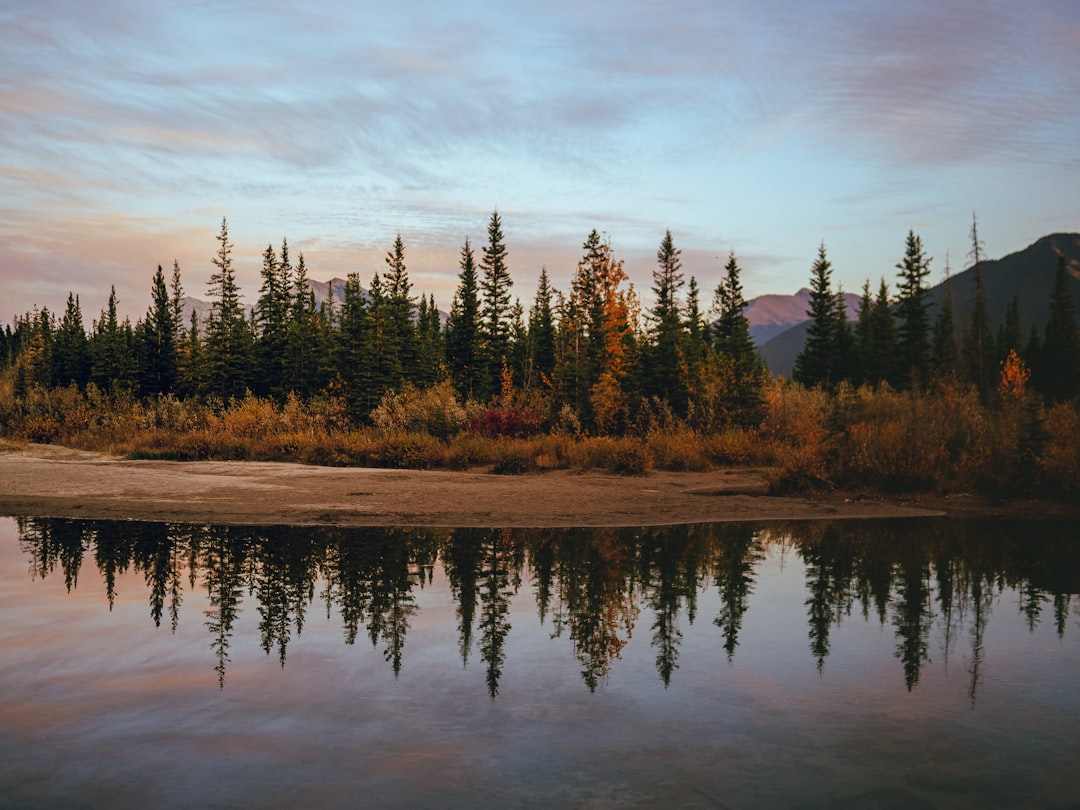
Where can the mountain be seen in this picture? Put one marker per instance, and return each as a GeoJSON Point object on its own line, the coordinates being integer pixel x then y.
{"type": "Point", "coordinates": [320, 288]}
{"type": "Point", "coordinates": [1027, 274]}
{"type": "Point", "coordinates": [772, 315]}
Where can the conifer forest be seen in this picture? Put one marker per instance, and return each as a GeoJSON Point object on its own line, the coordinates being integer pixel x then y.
{"type": "Point", "coordinates": [902, 397]}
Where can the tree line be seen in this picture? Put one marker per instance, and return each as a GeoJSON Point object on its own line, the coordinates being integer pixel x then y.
{"type": "Point", "coordinates": [588, 355]}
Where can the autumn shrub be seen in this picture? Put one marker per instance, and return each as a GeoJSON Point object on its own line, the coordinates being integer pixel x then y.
{"type": "Point", "coordinates": [794, 432]}
{"type": "Point", "coordinates": [677, 449]}
{"type": "Point", "coordinates": [512, 456]}
{"type": "Point", "coordinates": [434, 411]}
{"type": "Point", "coordinates": [1060, 458]}
{"type": "Point", "coordinates": [416, 451]}
{"type": "Point", "coordinates": [732, 446]}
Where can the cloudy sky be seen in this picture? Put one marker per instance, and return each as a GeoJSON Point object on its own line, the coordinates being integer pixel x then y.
{"type": "Point", "coordinates": [129, 128]}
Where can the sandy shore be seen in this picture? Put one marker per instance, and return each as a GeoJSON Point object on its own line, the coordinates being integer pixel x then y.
{"type": "Point", "coordinates": [51, 481]}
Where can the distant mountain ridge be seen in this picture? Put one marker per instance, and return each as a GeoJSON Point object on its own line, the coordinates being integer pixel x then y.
{"type": "Point", "coordinates": [320, 288]}
{"type": "Point", "coordinates": [1027, 274]}
{"type": "Point", "coordinates": [771, 315]}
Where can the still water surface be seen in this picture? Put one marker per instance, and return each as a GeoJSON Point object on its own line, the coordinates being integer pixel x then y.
{"type": "Point", "coordinates": [928, 663]}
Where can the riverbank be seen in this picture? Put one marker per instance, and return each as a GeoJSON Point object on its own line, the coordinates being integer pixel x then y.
{"type": "Point", "coordinates": [53, 481]}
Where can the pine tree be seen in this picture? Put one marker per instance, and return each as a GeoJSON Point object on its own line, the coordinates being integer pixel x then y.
{"type": "Point", "coordinates": [495, 312]}
{"type": "Point", "coordinates": [844, 363]}
{"type": "Point", "coordinates": [731, 338]}
{"type": "Point", "coordinates": [463, 327]}
{"type": "Point", "coordinates": [663, 359]}
{"type": "Point", "coordinates": [912, 310]}
{"type": "Point", "coordinates": [877, 343]}
{"type": "Point", "coordinates": [272, 314]}
{"type": "Point", "coordinates": [227, 346]}
{"type": "Point", "coordinates": [386, 370]}
{"type": "Point", "coordinates": [108, 361]}
{"type": "Point", "coordinates": [355, 348]}
{"type": "Point", "coordinates": [813, 366]}
{"type": "Point", "coordinates": [432, 353]}
{"type": "Point", "coordinates": [542, 329]}
{"type": "Point", "coordinates": [176, 296]}
{"type": "Point", "coordinates": [157, 341]}
{"type": "Point", "coordinates": [978, 346]}
{"type": "Point", "coordinates": [303, 336]}
{"type": "Point", "coordinates": [402, 309]}
{"type": "Point", "coordinates": [70, 351]}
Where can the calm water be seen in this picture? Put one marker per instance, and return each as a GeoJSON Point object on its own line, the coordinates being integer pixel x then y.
{"type": "Point", "coordinates": [855, 664]}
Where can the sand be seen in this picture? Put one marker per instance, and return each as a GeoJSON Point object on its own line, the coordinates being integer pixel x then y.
{"type": "Point", "coordinates": [52, 481]}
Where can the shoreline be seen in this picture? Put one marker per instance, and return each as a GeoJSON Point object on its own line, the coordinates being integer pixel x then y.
{"type": "Point", "coordinates": [54, 481]}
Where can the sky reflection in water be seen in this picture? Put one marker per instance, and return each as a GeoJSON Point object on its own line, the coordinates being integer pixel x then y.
{"type": "Point", "coordinates": [801, 664]}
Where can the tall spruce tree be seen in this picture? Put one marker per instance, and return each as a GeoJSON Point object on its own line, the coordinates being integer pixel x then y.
{"type": "Point", "coordinates": [402, 310]}
{"type": "Point", "coordinates": [157, 341]}
{"type": "Point", "coordinates": [272, 316]}
{"type": "Point", "coordinates": [227, 345]}
{"type": "Point", "coordinates": [70, 350]}
{"type": "Point", "coordinates": [664, 363]}
{"type": "Point", "coordinates": [814, 364]}
{"type": "Point", "coordinates": [731, 337]}
{"type": "Point", "coordinates": [978, 344]}
{"type": "Point", "coordinates": [303, 336]}
{"type": "Point", "coordinates": [912, 311]}
{"type": "Point", "coordinates": [355, 348]}
{"type": "Point", "coordinates": [542, 329]}
{"type": "Point", "coordinates": [463, 340]}
{"type": "Point", "coordinates": [495, 312]}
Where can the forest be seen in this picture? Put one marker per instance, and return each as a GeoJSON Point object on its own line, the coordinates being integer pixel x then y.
{"type": "Point", "coordinates": [900, 398]}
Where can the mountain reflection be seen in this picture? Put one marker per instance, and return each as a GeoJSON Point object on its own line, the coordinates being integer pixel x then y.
{"type": "Point", "coordinates": [591, 586]}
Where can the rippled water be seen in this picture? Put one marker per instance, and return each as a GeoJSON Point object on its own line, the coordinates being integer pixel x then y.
{"type": "Point", "coordinates": [854, 664]}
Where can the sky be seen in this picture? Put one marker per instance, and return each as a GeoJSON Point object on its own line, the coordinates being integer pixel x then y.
{"type": "Point", "coordinates": [129, 129]}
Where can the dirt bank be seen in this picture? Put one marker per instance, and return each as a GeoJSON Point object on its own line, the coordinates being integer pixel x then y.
{"type": "Point", "coordinates": [50, 481]}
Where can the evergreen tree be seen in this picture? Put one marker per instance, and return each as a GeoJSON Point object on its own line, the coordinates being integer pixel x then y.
{"type": "Point", "coordinates": [157, 341]}
{"type": "Point", "coordinates": [664, 372]}
{"type": "Point", "coordinates": [70, 351]}
{"type": "Point", "coordinates": [176, 296]}
{"type": "Point", "coordinates": [463, 327]}
{"type": "Point", "coordinates": [272, 315]}
{"type": "Point", "coordinates": [386, 370]}
{"type": "Point", "coordinates": [1060, 361]}
{"type": "Point", "coordinates": [696, 340]}
{"type": "Point", "coordinates": [495, 312]}
{"type": "Point", "coordinates": [731, 338]}
{"type": "Point", "coordinates": [542, 330]}
{"type": "Point", "coordinates": [355, 348]}
{"type": "Point", "coordinates": [227, 348]}
{"type": "Point", "coordinates": [912, 310]}
{"type": "Point", "coordinates": [109, 360]}
{"type": "Point", "coordinates": [813, 366]}
{"type": "Point", "coordinates": [844, 363]}
{"type": "Point", "coordinates": [432, 355]}
{"type": "Point", "coordinates": [303, 336]}
{"type": "Point", "coordinates": [876, 338]}
{"type": "Point", "coordinates": [978, 347]}
{"type": "Point", "coordinates": [402, 309]}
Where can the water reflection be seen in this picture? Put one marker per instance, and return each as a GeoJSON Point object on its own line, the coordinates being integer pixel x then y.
{"type": "Point", "coordinates": [592, 586]}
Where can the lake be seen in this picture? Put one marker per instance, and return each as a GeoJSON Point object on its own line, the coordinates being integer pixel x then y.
{"type": "Point", "coordinates": [918, 663]}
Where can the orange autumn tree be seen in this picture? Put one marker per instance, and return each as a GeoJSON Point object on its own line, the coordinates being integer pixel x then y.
{"type": "Point", "coordinates": [1014, 376]}
{"type": "Point", "coordinates": [597, 334]}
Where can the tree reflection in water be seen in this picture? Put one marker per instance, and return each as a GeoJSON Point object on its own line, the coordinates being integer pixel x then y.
{"type": "Point", "coordinates": [590, 584]}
